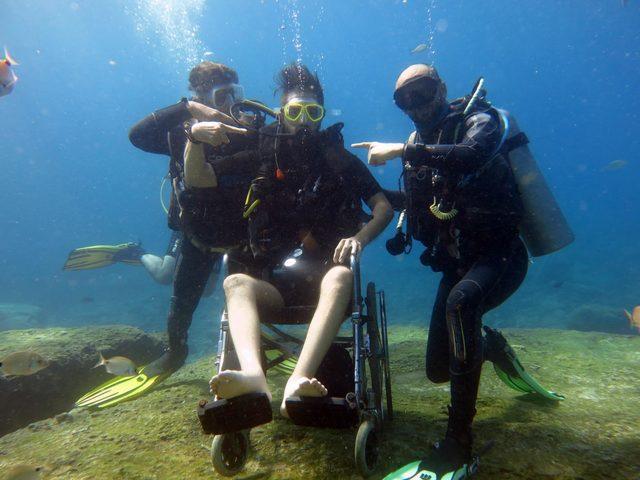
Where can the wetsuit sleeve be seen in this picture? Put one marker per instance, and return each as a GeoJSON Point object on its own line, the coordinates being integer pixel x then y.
{"type": "Point", "coordinates": [150, 133]}
{"type": "Point", "coordinates": [358, 175]}
{"type": "Point", "coordinates": [481, 137]}
{"type": "Point", "coordinates": [241, 163]}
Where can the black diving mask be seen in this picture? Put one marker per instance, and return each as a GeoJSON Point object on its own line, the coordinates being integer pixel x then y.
{"type": "Point", "coordinates": [416, 94]}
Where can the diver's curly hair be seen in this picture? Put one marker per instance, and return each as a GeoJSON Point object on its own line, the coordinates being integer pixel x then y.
{"type": "Point", "coordinates": [297, 78]}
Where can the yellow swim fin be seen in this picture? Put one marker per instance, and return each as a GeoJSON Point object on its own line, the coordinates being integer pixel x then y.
{"type": "Point", "coordinates": [119, 389]}
{"type": "Point", "coordinates": [98, 256]}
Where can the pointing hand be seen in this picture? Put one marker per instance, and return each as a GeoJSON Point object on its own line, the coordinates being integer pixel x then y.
{"type": "Point", "coordinates": [214, 133]}
{"type": "Point", "coordinates": [379, 153]}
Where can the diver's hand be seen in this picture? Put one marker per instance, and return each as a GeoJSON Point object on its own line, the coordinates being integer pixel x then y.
{"type": "Point", "coordinates": [203, 113]}
{"type": "Point", "coordinates": [378, 153]}
{"type": "Point", "coordinates": [214, 133]}
{"type": "Point", "coordinates": [346, 247]}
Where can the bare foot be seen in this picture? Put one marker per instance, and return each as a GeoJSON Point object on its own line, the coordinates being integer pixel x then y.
{"type": "Point", "coordinates": [301, 387]}
{"type": "Point", "coordinates": [233, 383]}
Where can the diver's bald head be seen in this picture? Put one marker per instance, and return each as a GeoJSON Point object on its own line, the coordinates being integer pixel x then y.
{"type": "Point", "coordinates": [413, 72]}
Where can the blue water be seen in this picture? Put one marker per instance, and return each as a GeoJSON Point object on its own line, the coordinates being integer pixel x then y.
{"type": "Point", "coordinates": [568, 70]}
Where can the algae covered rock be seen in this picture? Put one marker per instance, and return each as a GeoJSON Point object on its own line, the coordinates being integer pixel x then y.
{"type": "Point", "coordinates": [72, 353]}
{"type": "Point", "coordinates": [16, 316]}
{"type": "Point", "coordinates": [600, 318]}
{"type": "Point", "coordinates": [593, 434]}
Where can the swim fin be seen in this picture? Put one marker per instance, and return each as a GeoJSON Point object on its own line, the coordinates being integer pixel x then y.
{"type": "Point", "coordinates": [120, 389]}
{"type": "Point", "coordinates": [420, 471]}
{"type": "Point", "coordinates": [508, 367]}
{"type": "Point", "coordinates": [437, 466]}
{"type": "Point", "coordinates": [98, 256]}
{"type": "Point", "coordinates": [281, 354]}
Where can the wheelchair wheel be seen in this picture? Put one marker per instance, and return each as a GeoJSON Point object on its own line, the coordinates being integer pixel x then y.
{"type": "Point", "coordinates": [376, 358]}
{"type": "Point", "coordinates": [229, 452]}
{"type": "Point", "coordinates": [367, 449]}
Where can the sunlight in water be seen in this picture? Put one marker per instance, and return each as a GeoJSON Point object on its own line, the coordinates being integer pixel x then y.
{"type": "Point", "coordinates": [172, 27]}
{"type": "Point", "coordinates": [431, 31]}
{"type": "Point", "coordinates": [290, 30]}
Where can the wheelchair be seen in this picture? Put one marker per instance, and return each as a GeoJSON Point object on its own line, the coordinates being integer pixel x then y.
{"type": "Point", "coordinates": [366, 403]}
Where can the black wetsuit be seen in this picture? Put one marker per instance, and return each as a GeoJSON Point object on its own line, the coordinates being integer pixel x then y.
{"type": "Point", "coordinates": [479, 251]}
{"type": "Point", "coordinates": [162, 132]}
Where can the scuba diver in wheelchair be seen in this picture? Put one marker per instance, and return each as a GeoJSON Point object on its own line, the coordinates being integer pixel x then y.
{"type": "Point", "coordinates": [305, 199]}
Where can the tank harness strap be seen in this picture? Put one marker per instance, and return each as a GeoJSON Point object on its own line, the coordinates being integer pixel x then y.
{"type": "Point", "coordinates": [204, 248]}
{"type": "Point", "coordinates": [517, 141]}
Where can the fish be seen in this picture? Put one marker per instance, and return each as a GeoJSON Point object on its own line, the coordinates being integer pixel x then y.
{"type": "Point", "coordinates": [615, 165]}
{"type": "Point", "coordinates": [20, 364]}
{"type": "Point", "coordinates": [23, 472]}
{"type": "Point", "coordinates": [87, 300]}
{"type": "Point", "coordinates": [117, 366]}
{"type": "Point", "coordinates": [8, 77]}
{"type": "Point", "coordinates": [208, 54]}
{"type": "Point", "coordinates": [420, 48]}
{"type": "Point", "coordinates": [634, 317]}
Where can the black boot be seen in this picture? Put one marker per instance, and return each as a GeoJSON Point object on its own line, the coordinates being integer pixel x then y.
{"type": "Point", "coordinates": [177, 327]}
{"type": "Point", "coordinates": [453, 454]}
{"type": "Point", "coordinates": [497, 350]}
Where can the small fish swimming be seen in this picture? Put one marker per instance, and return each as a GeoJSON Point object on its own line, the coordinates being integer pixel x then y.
{"type": "Point", "coordinates": [120, 366]}
{"type": "Point", "coordinates": [615, 165]}
{"type": "Point", "coordinates": [8, 78]}
{"type": "Point", "coordinates": [208, 54]}
{"type": "Point", "coordinates": [23, 472]}
{"type": "Point", "coordinates": [634, 318]}
{"type": "Point", "coordinates": [420, 48]}
{"type": "Point", "coordinates": [20, 364]}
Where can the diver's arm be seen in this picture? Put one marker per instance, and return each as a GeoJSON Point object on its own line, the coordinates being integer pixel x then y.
{"type": "Point", "coordinates": [481, 137]}
{"type": "Point", "coordinates": [382, 214]}
{"type": "Point", "coordinates": [150, 133]}
{"type": "Point", "coordinates": [197, 172]}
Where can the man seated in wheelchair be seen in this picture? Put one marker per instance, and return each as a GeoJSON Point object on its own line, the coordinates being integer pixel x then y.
{"type": "Point", "coordinates": [305, 221]}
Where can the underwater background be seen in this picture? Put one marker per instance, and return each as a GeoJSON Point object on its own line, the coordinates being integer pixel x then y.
{"type": "Point", "coordinates": [569, 71]}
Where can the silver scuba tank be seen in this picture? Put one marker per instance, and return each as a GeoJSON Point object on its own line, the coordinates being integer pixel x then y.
{"type": "Point", "coordinates": [544, 228]}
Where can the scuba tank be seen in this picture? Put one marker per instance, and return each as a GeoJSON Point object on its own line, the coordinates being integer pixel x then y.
{"type": "Point", "coordinates": [544, 228]}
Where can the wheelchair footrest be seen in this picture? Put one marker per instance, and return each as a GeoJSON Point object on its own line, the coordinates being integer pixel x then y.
{"type": "Point", "coordinates": [234, 414]}
{"type": "Point", "coordinates": [326, 412]}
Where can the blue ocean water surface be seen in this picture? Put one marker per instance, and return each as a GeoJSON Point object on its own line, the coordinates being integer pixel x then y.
{"type": "Point", "coordinates": [568, 70]}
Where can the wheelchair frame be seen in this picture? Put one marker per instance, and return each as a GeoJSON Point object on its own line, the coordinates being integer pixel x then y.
{"type": "Point", "coordinates": [370, 402]}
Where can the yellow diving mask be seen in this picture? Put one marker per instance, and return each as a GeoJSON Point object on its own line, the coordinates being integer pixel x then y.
{"type": "Point", "coordinates": [293, 111]}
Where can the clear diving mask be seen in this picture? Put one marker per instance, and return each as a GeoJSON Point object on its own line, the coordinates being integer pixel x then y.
{"type": "Point", "coordinates": [226, 95]}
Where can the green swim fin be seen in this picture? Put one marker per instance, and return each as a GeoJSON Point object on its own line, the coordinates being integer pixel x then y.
{"type": "Point", "coordinates": [509, 369]}
{"type": "Point", "coordinates": [280, 362]}
{"type": "Point", "coordinates": [119, 389]}
{"type": "Point", "coordinates": [98, 256]}
{"type": "Point", "coordinates": [281, 355]}
{"type": "Point", "coordinates": [419, 470]}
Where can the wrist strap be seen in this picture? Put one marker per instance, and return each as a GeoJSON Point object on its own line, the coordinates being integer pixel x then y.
{"type": "Point", "coordinates": [187, 131]}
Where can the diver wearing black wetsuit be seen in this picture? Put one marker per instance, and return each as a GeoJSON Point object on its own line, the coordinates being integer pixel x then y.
{"type": "Point", "coordinates": [163, 132]}
{"type": "Point", "coordinates": [478, 250]}
{"type": "Point", "coordinates": [463, 204]}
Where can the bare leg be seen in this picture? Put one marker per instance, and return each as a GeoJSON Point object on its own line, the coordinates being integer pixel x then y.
{"type": "Point", "coordinates": [246, 299]}
{"type": "Point", "coordinates": [160, 269]}
{"type": "Point", "coordinates": [335, 293]}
